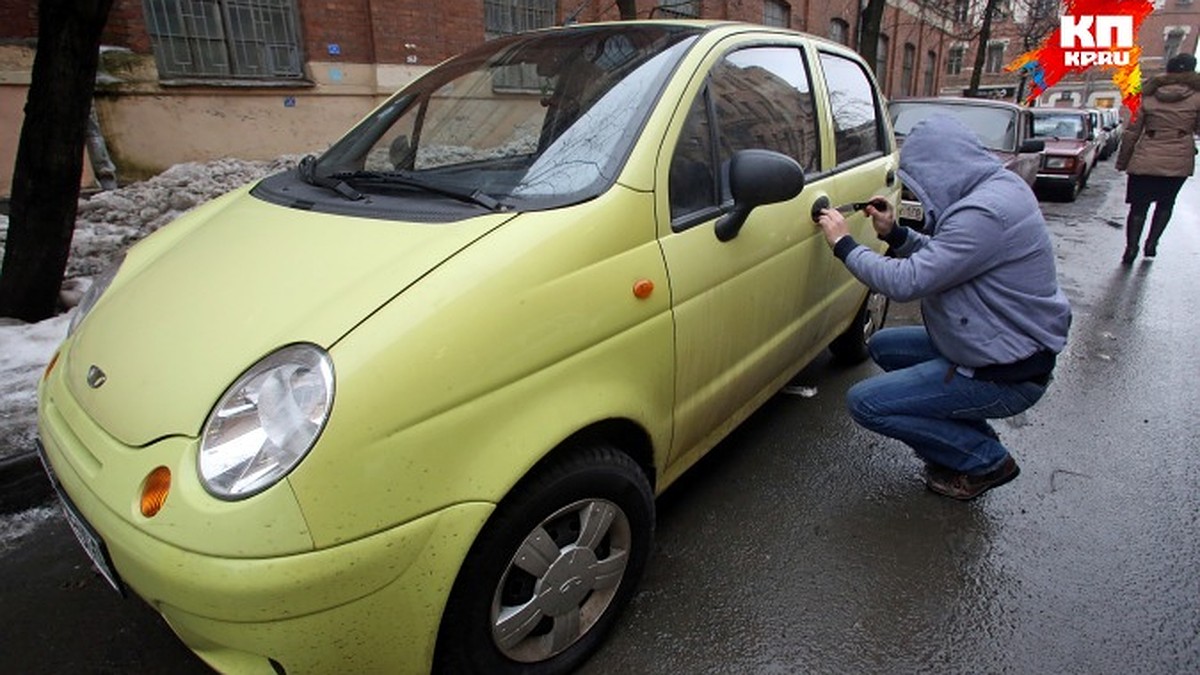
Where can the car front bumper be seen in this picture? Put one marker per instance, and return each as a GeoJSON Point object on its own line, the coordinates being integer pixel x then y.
{"type": "Point", "coordinates": [368, 605]}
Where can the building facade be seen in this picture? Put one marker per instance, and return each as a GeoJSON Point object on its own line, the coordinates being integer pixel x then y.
{"type": "Point", "coordinates": [194, 80]}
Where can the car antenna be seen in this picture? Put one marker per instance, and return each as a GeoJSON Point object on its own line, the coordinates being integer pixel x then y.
{"type": "Point", "coordinates": [570, 20]}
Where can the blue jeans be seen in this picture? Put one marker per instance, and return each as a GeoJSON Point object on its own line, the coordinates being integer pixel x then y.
{"type": "Point", "coordinates": [938, 412]}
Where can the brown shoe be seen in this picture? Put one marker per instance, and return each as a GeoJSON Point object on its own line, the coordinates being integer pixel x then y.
{"type": "Point", "coordinates": [965, 487]}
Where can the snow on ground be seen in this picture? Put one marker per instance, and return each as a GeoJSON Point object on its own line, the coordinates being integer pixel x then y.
{"type": "Point", "coordinates": [107, 222]}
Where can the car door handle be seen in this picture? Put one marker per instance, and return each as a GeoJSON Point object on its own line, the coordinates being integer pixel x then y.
{"type": "Point", "coordinates": [890, 177]}
{"type": "Point", "coordinates": [818, 206]}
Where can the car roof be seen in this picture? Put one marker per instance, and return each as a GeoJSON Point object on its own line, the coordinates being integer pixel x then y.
{"type": "Point", "coordinates": [960, 100]}
{"type": "Point", "coordinates": [1060, 111]}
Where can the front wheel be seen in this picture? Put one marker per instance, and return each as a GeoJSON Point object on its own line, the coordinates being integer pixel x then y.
{"type": "Point", "coordinates": [850, 347]}
{"type": "Point", "coordinates": [552, 568]}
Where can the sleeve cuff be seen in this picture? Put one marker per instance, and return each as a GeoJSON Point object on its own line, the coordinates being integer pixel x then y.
{"type": "Point", "coordinates": [843, 247]}
{"type": "Point", "coordinates": [897, 236]}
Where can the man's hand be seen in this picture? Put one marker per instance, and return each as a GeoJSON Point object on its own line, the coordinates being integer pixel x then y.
{"type": "Point", "coordinates": [833, 225]}
{"type": "Point", "coordinates": [883, 219]}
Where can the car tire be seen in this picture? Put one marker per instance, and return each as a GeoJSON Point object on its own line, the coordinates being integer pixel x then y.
{"type": "Point", "coordinates": [552, 568]}
{"type": "Point", "coordinates": [850, 347]}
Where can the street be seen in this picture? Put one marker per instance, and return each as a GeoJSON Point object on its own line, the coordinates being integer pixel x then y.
{"type": "Point", "coordinates": [805, 544]}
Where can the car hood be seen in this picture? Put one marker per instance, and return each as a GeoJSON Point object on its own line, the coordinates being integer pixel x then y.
{"type": "Point", "coordinates": [1064, 146]}
{"type": "Point", "coordinates": [199, 302]}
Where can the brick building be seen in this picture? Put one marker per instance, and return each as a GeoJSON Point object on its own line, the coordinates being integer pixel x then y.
{"type": "Point", "coordinates": [185, 80]}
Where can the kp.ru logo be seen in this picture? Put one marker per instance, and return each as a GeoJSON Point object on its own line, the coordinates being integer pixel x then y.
{"type": "Point", "coordinates": [1092, 33]}
{"type": "Point", "coordinates": [1107, 39]}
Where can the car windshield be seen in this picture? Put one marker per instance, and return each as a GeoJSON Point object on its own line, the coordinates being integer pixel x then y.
{"type": "Point", "coordinates": [1050, 125]}
{"type": "Point", "coordinates": [996, 127]}
{"type": "Point", "coordinates": [532, 121]}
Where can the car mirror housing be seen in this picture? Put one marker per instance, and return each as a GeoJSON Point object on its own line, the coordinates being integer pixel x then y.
{"type": "Point", "coordinates": [1032, 145]}
{"type": "Point", "coordinates": [758, 177]}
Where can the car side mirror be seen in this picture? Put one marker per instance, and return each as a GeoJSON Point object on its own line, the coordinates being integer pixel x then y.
{"type": "Point", "coordinates": [758, 177]}
{"type": "Point", "coordinates": [1032, 145]}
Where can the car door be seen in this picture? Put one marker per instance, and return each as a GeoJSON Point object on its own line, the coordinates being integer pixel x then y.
{"type": "Point", "coordinates": [1026, 164]}
{"type": "Point", "coordinates": [748, 310]}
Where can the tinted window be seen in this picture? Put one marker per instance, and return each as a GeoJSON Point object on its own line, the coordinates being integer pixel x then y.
{"type": "Point", "coordinates": [856, 123]}
{"type": "Point", "coordinates": [760, 98]}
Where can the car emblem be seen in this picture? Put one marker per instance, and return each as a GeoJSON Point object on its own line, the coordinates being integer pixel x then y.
{"type": "Point", "coordinates": [96, 377]}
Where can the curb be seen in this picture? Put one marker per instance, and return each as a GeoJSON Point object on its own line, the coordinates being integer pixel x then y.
{"type": "Point", "coordinates": [23, 483]}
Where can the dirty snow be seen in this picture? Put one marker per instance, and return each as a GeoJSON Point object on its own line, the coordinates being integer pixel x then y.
{"type": "Point", "coordinates": [107, 223]}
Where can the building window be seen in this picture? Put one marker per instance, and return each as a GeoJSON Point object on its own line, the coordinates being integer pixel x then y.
{"type": "Point", "coordinates": [682, 9]}
{"type": "Point", "coordinates": [508, 17]}
{"type": "Point", "coordinates": [224, 38]}
{"type": "Point", "coordinates": [954, 61]}
{"type": "Point", "coordinates": [1172, 42]}
{"type": "Point", "coordinates": [881, 59]}
{"type": "Point", "coordinates": [839, 31]}
{"type": "Point", "coordinates": [930, 65]}
{"type": "Point", "coordinates": [995, 58]}
{"type": "Point", "coordinates": [962, 9]}
{"type": "Point", "coordinates": [908, 70]}
{"type": "Point", "coordinates": [776, 13]}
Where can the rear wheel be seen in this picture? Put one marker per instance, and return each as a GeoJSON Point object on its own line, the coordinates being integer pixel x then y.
{"type": "Point", "coordinates": [850, 347]}
{"type": "Point", "coordinates": [552, 568]}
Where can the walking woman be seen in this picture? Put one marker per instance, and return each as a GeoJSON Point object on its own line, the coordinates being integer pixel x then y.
{"type": "Point", "coordinates": [1158, 151]}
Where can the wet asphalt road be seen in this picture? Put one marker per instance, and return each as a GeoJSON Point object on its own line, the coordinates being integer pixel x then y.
{"type": "Point", "coordinates": [806, 545]}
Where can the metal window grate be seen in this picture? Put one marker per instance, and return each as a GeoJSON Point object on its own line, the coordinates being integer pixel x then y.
{"type": "Point", "coordinates": [508, 17]}
{"type": "Point", "coordinates": [225, 38]}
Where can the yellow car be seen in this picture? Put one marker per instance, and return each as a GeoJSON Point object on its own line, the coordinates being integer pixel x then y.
{"type": "Point", "coordinates": [406, 407]}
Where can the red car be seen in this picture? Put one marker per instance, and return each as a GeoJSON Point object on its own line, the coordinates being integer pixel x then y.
{"type": "Point", "coordinates": [1071, 149]}
{"type": "Point", "coordinates": [1004, 128]}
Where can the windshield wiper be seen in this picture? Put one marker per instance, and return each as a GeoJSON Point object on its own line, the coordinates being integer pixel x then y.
{"type": "Point", "coordinates": [308, 173]}
{"type": "Point", "coordinates": [406, 179]}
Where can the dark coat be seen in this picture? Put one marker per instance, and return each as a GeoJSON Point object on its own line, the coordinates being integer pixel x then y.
{"type": "Point", "coordinates": [1160, 140]}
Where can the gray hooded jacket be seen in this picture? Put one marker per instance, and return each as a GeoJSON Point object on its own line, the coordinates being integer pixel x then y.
{"type": "Point", "coordinates": [985, 273]}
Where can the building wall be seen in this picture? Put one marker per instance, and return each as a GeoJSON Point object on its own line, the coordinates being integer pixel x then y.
{"type": "Point", "coordinates": [354, 53]}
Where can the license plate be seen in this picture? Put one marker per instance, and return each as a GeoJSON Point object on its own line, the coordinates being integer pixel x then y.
{"type": "Point", "coordinates": [91, 543]}
{"type": "Point", "coordinates": [912, 211]}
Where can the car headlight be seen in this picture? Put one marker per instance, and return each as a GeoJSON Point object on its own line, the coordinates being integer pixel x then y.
{"type": "Point", "coordinates": [100, 283]}
{"type": "Point", "coordinates": [266, 422]}
{"type": "Point", "coordinates": [1059, 162]}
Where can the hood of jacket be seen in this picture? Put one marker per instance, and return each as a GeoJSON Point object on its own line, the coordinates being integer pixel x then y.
{"type": "Point", "coordinates": [939, 184]}
{"type": "Point", "coordinates": [1172, 87]}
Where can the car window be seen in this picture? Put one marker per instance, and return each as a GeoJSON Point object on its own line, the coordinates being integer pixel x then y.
{"type": "Point", "coordinates": [995, 127]}
{"type": "Point", "coordinates": [693, 185]}
{"type": "Point", "coordinates": [1050, 125]}
{"type": "Point", "coordinates": [757, 98]}
{"type": "Point", "coordinates": [856, 114]}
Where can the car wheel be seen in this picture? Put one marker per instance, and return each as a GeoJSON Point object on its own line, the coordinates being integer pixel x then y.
{"type": "Point", "coordinates": [552, 568]}
{"type": "Point", "coordinates": [850, 347]}
{"type": "Point", "coordinates": [1072, 190]}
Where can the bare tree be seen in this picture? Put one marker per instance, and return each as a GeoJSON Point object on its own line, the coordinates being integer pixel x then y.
{"type": "Point", "coordinates": [49, 163]}
{"type": "Point", "coordinates": [870, 23]}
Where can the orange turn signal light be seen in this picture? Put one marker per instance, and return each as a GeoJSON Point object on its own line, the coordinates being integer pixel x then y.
{"type": "Point", "coordinates": [50, 366]}
{"type": "Point", "coordinates": [154, 491]}
{"type": "Point", "coordinates": [642, 288]}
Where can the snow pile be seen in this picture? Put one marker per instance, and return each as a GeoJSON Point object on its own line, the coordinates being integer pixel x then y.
{"type": "Point", "coordinates": [109, 222]}
{"type": "Point", "coordinates": [25, 349]}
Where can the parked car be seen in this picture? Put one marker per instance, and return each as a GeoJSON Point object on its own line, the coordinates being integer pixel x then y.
{"type": "Point", "coordinates": [407, 406]}
{"type": "Point", "coordinates": [1004, 128]}
{"type": "Point", "coordinates": [1096, 117]}
{"type": "Point", "coordinates": [1071, 151]}
{"type": "Point", "coordinates": [1115, 128]}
